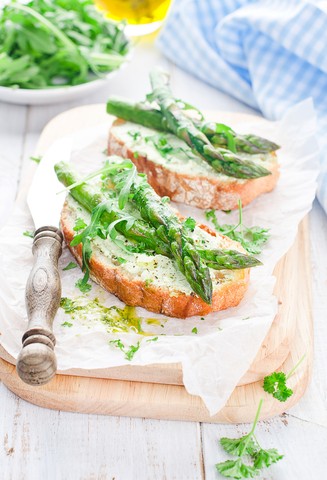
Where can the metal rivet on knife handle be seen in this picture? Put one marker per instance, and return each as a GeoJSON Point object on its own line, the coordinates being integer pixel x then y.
{"type": "Point", "coordinates": [36, 363]}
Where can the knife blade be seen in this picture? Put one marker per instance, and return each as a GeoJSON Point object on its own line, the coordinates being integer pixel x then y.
{"type": "Point", "coordinates": [36, 363]}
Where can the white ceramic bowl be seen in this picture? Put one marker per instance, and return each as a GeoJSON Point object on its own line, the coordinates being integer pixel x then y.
{"type": "Point", "coordinates": [45, 96]}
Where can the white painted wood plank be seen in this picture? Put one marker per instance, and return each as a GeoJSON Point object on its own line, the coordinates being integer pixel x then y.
{"type": "Point", "coordinates": [12, 129]}
{"type": "Point", "coordinates": [303, 444]}
{"type": "Point", "coordinates": [36, 443]}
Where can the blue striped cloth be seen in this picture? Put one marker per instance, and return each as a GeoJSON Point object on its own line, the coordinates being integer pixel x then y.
{"type": "Point", "coordinates": [269, 54]}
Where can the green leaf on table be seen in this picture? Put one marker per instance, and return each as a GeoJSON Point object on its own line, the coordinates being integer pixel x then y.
{"type": "Point", "coordinates": [236, 469]}
{"type": "Point", "coordinates": [265, 458]}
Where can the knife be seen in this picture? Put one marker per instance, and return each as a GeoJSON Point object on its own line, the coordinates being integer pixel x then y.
{"type": "Point", "coordinates": [36, 363]}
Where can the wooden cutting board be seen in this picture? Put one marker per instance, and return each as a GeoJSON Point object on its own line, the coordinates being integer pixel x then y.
{"type": "Point", "coordinates": [156, 391]}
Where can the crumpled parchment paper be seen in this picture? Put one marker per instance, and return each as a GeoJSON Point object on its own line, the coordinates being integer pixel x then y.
{"type": "Point", "coordinates": [215, 358]}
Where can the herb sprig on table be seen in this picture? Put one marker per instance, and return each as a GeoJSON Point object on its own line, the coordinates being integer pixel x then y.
{"type": "Point", "coordinates": [251, 456]}
{"type": "Point", "coordinates": [62, 42]}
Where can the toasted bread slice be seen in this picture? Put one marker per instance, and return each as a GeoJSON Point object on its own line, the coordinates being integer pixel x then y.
{"type": "Point", "coordinates": [154, 281]}
{"type": "Point", "coordinates": [183, 176]}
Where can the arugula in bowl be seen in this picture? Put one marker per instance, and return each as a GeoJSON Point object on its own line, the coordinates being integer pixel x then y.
{"type": "Point", "coordinates": [53, 43]}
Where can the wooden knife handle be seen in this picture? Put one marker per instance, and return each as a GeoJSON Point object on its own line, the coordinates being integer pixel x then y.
{"type": "Point", "coordinates": [36, 363]}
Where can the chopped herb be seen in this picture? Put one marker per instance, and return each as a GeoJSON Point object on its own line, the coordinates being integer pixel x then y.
{"type": "Point", "coordinates": [66, 324]}
{"type": "Point", "coordinates": [117, 343]}
{"type": "Point", "coordinates": [83, 285]}
{"type": "Point", "coordinates": [67, 304]}
{"type": "Point", "coordinates": [134, 134]}
{"type": "Point", "coordinates": [136, 155]}
{"type": "Point", "coordinates": [121, 260]}
{"type": "Point", "coordinates": [165, 200]}
{"type": "Point", "coordinates": [28, 233]}
{"type": "Point", "coordinates": [129, 352]}
{"type": "Point", "coordinates": [275, 384]}
{"type": "Point", "coordinates": [247, 448]}
{"type": "Point", "coordinates": [251, 238]}
{"type": "Point", "coordinates": [202, 318]}
{"type": "Point", "coordinates": [154, 339]}
{"type": "Point", "coordinates": [148, 281]}
{"type": "Point", "coordinates": [79, 225]}
{"type": "Point", "coordinates": [194, 330]}
{"type": "Point", "coordinates": [70, 266]}
{"type": "Point", "coordinates": [190, 223]}
{"type": "Point", "coordinates": [36, 159]}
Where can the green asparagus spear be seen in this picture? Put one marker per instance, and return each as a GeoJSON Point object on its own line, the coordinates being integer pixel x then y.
{"type": "Point", "coordinates": [137, 113]}
{"type": "Point", "coordinates": [152, 118]}
{"type": "Point", "coordinates": [171, 231]}
{"type": "Point", "coordinates": [182, 126]}
{"type": "Point", "coordinates": [227, 259]}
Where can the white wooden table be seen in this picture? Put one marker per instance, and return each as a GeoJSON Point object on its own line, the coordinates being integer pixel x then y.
{"type": "Point", "coordinates": [36, 443]}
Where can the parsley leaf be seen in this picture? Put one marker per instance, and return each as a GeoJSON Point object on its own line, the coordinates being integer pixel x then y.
{"type": "Point", "coordinates": [238, 446]}
{"type": "Point", "coordinates": [275, 384]}
{"type": "Point", "coordinates": [236, 469]}
{"type": "Point", "coordinates": [36, 159]}
{"type": "Point", "coordinates": [251, 238]}
{"type": "Point", "coordinates": [129, 352]}
{"type": "Point", "coordinates": [265, 458]}
{"type": "Point", "coordinates": [83, 285]}
{"type": "Point", "coordinates": [66, 324]}
{"type": "Point", "coordinates": [190, 223]}
{"type": "Point", "coordinates": [70, 266]}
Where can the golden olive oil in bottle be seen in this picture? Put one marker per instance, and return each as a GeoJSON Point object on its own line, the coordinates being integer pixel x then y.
{"type": "Point", "coordinates": [141, 16]}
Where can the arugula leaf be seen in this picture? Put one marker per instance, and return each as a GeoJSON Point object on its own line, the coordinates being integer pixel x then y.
{"type": "Point", "coordinates": [46, 44]}
{"type": "Point", "coordinates": [251, 238]}
{"type": "Point", "coordinates": [70, 266]}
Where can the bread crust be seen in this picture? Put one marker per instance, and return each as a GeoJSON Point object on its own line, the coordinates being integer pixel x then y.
{"type": "Point", "coordinates": [202, 192]}
{"type": "Point", "coordinates": [151, 297]}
